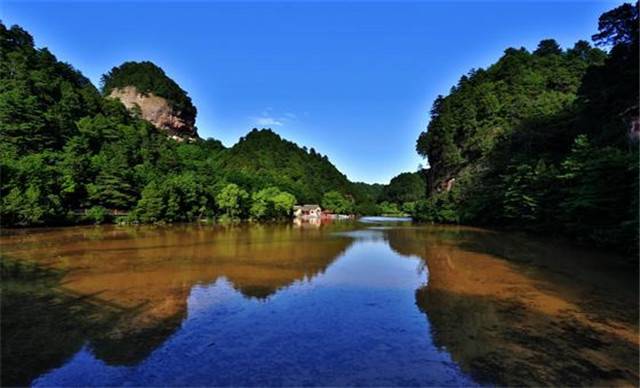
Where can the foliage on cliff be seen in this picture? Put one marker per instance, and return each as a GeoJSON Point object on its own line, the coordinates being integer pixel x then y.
{"type": "Point", "coordinates": [149, 78]}
{"type": "Point", "coordinates": [543, 140]}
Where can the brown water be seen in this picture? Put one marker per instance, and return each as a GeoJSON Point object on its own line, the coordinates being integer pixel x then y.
{"type": "Point", "coordinates": [341, 304]}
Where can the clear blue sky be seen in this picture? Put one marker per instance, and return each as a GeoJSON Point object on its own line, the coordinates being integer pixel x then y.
{"type": "Point", "coordinates": [353, 80]}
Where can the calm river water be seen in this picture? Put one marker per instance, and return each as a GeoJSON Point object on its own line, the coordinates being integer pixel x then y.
{"type": "Point", "coordinates": [366, 303]}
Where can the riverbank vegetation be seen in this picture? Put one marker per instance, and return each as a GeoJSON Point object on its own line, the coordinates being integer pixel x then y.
{"type": "Point", "coordinates": [544, 140]}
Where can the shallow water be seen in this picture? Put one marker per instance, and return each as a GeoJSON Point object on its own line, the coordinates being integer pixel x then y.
{"type": "Point", "coordinates": [341, 304]}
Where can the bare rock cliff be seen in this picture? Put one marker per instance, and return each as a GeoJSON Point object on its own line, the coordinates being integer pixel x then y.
{"type": "Point", "coordinates": [158, 111]}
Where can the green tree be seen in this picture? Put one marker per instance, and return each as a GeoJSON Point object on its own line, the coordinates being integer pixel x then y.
{"type": "Point", "coordinates": [271, 203]}
{"type": "Point", "coordinates": [406, 187]}
{"type": "Point", "coordinates": [233, 201]}
{"type": "Point", "coordinates": [174, 198]}
{"type": "Point", "coordinates": [113, 186]}
{"type": "Point", "coordinates": [97, 215]}
{"type": "Point", "coordinates": [389, 209]}
{"type": "Point", "coordinates": [599, 185]}
{"type": "Point", "coordinates": [335, 202]}
{"type": "Point", "coordinates": [151, 206]}
{"type": "Point", "coordinates": [29, 190]}
{"type": "Point", "coordinates": [283, 204]}
{"type": "Point", "coordinates": [262, 203]}
{"type": "Point", "coordinates": [618, 26]}
{"type": "Point", "coordinates": [548, 47]}
{"type": "Point", "coordinates": [437, 208]}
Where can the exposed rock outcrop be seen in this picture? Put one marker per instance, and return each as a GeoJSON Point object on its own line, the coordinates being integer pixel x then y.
{"type": "Point", "coordinates": [158, 111]}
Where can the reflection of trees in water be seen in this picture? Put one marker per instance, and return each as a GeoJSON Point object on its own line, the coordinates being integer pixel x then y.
{"type": "Point", "coordinates": [44, 324]}
{"type": "Point", "coordinates": [510, 309]}
{"type": "Point", "coordinates": [518, 311]}
{"type": "Point", "coordinates": [125, 290]}
{"type": "Point", "coordinates": [502, 341]}
{"type": "Point", "coordinates": [41, 326]}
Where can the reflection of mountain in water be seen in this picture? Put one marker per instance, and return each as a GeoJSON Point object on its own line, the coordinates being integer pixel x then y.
{"type": "Point", "coordinates": [510, 309]}
{"type": "Point", "coordinates": [513, 310]}
{"type": "Point", "coordinates": [125, 290]}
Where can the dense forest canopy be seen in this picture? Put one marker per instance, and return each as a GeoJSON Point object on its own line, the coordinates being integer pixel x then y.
{"type": "Point", "coordinates": [71, 155]}
{"type": "Point", "coordinates": [263, 158]}
{"type": "Point", "coordinates": [545, 140]}
{"type": "Point", "coordinates": [41, 98]}
{"type": "Point", "coordinates": [405, 187]}
{"type": "Point", "coordinates": [149, 78]}
{"type": "Point", "coordinates": [489, 105]}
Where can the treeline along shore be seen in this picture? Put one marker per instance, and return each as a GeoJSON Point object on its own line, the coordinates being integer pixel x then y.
{"type": "Point", "coordinates": [545, 141]}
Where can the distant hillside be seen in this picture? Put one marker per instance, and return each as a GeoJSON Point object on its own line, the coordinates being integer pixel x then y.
{"type": "Point", "coordinates": [403, 188]}
{"type": "Point", "coordinates": [263, 158]}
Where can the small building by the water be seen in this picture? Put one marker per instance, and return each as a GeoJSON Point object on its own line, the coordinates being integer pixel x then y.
{"type": "Point", "coordinates": [307, 211]}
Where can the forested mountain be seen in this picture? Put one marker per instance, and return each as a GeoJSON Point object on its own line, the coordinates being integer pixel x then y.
{"type": "Point", "coordinates": [263, 158]}
{"type": "Point", "coordinates": [546, 140]}
{"type": "Point", "coordinates": [69, 154]}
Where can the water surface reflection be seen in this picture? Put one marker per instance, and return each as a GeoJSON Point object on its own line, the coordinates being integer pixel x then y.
{"type": "Point", "coordinates": [517, 310]}
{"type": "Point", "coordinates": [341, 304]}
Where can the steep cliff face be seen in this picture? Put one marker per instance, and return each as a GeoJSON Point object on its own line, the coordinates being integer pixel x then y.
{"type": "Point", "coordinates": [158, 111]}
{"type": "Point", "coordinates": [160, 100]}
